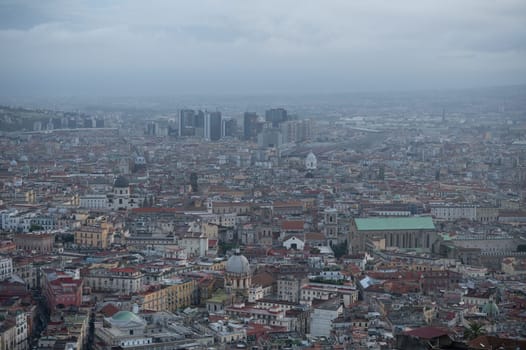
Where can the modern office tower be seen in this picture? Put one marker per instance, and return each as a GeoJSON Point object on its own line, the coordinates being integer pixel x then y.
{"type": "Point", "coordinates": [270, 138]}
{"type": "Point", "coordinates": [276, 116]}
{"type": "Point", "coordinates": [228, 127]}
{"type": "Point", "coordinates": [297, 130]}
{"type": "Point", "coordinates": [87, 122]}
{"type": "Point", "coordinates": [186, 122]}
{"type": "Point", "coordinates": [250, 126]}
{"type": "Point", "coordinates": [212, 127]}
{"type": "Point", "coordinates": [151, 128]}
{"type": "Point", "coordinates": [199, 119]}
{"type": "Point", "coordinates": [99, 122]}
{"type": "Point", "coordinates": [199, 124]}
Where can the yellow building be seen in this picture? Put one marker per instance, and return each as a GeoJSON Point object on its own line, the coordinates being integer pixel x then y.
{"type": "Point", "coordinates": [172, 296]}
{"type": "Point", "coordinates": [94, 233]}
{"type": "Point", "coordinates": [215, 265]}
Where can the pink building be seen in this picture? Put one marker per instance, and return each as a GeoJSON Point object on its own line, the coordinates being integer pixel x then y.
{"type": "Point", "coordinates": [60, 289]}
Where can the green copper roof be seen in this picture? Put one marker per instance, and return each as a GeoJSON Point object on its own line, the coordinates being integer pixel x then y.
{"type": "Point", "coordinates": [124, 316]}
{"type": "Point", "coordinates": [395, 224]}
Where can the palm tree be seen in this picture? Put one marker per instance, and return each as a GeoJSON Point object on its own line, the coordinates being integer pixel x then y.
{"type": "Point", "coordinates": [474, 330]}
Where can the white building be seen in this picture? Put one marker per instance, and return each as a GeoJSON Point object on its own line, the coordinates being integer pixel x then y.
{"type": "Point", "coordinates": [123, 280]}
{"type": "Point", "coordinates": [294, 243]}
{"type": "Point", "coordinates": [6, 267]}
{"type": "Point", "coordinates": [120, 198]}
{"type": "Point", "coordinates": [123, 329]}
{"type": "Point", "coordinates": [322, 317]}
{"type": "Point", "coordinates": [321, 291]}
{"type": "Point", "coordinates": [21, 331]}
{"type": "Point", "coordinates": [311, 163]}
{"type": "Point", "coordinates": [94, 201]}
{"type": "Point", "coordinates": [13, 220]}
{"type": "Point", "coordinates": [289, 287]}
{"type": "Point", "coordinates": [255, 293]}
{"type": "Point", "coordinates": [194, 245]}
{"type": "Point", "coordinates": [454, 212]}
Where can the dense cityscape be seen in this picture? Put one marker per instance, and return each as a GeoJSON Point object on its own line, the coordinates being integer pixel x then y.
{"type": "Point", "coordinates": [375, 222]}
{"type": "Point", "coordinates": [263, 175]}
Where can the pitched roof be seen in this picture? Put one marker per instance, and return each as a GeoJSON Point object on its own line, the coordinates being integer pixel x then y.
{"type": "Point", "coordinates": [263, 279]}
{"type": "Point", "coordinates": [314, 236]}
{"type": "Point", "coordinates": [426, 332]}
{"type": "Point", "coordinates": [109, 310]}
{"type": "Point", "coordinates": [292, 225]}
{"type": "Point", "coordinates": [395, 224]}
{"type": "Point", "coordinates": [491, 342]}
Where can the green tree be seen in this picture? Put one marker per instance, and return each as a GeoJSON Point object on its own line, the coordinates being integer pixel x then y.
{"type": "Point", "coordinates": [339, 249]}
{"type": "Point", "coordinates": [474, 330]}
{"type": "Point", "coordinates": [315, 250]}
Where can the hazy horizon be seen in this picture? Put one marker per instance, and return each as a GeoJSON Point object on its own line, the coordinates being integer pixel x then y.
{"type": "Point", "coordinates": [62, 48]}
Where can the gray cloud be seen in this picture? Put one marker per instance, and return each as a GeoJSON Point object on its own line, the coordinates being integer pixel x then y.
{"type": "Point", "coordinates": [161, 47]}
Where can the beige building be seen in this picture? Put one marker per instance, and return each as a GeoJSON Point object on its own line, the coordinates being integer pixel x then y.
{"type": "Point", "coordinates": [289, 287]}
{"type": "Point", "coordinates": [238, 208]}
{"type": "Point", "coordinates": [38, 242]}
{"type": "Point", "coordinates": [23, 267]}
{"type": "Point", "coordinates": [14, 332]}
{"type": "Point", "coordinates": [170, 296]}
{"type": "Point", "coordinates": [94, 233]}
{"type": "Point", "coordinates": [7, 335]}
{"type": "Point", "coordinates": [123, 280]}
{"type": "Point", "coordinates": [154, 331]}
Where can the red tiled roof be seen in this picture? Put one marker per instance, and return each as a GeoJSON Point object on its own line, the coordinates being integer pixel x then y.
{"type": "Point", "coordinates": [263, 278]}
{"type": "Point", "coordinates": [427, 332]}
{"type": "Point", "coordinates": [109, 310]}
{"type": "Point", "coordinates": [314, 236]}
{"type": "Point", "coordinates": [124, 270]}
{"type": "Point", "coordinates": [157, 210]}
{"type": "Point", "coordinates": [66, 280]}
{"type": "Point", "coordinates": [491, 342]}
{"type": "Point", "coordinates": [287, 204]}
{"type": "Point", "coordinates": [292, 225]}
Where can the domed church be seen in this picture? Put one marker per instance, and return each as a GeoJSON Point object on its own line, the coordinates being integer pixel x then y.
{"type": "Point", "coordinates": [238, 277]}
{"type": "Point", "coordinates": [121, 198]}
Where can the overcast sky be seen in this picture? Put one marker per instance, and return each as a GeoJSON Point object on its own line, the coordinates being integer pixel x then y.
{"type": "Point", "coordinates": [94, 48]}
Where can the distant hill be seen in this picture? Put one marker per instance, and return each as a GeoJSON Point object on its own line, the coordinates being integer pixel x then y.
{"type": "Point", "coordinates": [14, 119]}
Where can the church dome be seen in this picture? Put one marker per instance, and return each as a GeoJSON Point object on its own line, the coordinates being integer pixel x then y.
{"type": "Point", "coordinates": [238, 263]}
{"type": "Point", "coordinates": [121, 181]}
{"type": "Point", "coordinates": [125, 318]}
{"type": "Point", "coordinates": [491, 309]}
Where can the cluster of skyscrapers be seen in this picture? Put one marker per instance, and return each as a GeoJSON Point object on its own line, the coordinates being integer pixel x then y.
{"type": "Point", "coordinates": [209, 125]}
{"type": "Point", "coordinates": [274, 129]}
